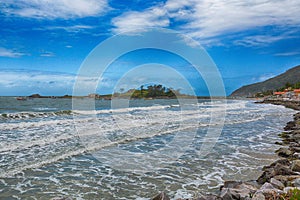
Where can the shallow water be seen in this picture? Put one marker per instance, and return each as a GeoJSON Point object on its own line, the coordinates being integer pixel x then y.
{"type": "Point", "coordinates": [47, 151]}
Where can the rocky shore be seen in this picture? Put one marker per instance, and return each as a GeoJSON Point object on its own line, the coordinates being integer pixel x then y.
{"type": "Point", "coordinates": [278, 181]}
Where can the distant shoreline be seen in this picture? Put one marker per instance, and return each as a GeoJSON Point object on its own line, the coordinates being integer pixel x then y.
{"type": "Point", "coordinates": [110, 96]}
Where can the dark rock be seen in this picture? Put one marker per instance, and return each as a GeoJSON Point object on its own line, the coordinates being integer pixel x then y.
{"type": "Point", "coordinates": [36, 96]}
{"type": "Point", "coordinates": [284, 152]}
{"type": "Point", "coordinates": [275, 169]}
{"type": "Point", "coordinates": [161, 196]}
{"type": "Point", "coordinates": [266, 176]}
{"type": "Point", "coordinates": [283, 161]}
{"type": "Point", "coordinates": [280, 169]}
{"type": "Point", "coordinates": [290, 126]}
{"type": "Point", "coordinates": [231, 184]}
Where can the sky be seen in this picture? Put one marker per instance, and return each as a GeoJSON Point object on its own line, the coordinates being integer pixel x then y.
{"type": "Point", "coordinates": [44, 43]}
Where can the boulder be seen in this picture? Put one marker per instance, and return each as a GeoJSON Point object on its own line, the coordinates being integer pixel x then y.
{"type": "Point", "coordinates": [287, 189]}
{"type": "Point", "coordinates": [229, 194]}
{"type": "Point", "coordinates": [208, 197]}
{"type": "Point", "coordinates": [275, 169]}
{"type": "Point", "coordinates": [246, 186]}
{"type": "Point", "coordinates": [231, 184]}
{"type": "Point", "coordinates": [283, 161]}
{"type": "Point", "coordinates": [284, 152]}
{"type": "Point", "coordinates": [266, 176]}
{"type": "Point", "coordinates": [161, 196]}
{"type": "Point", "coordinates": [290, 126]}
{"type": "Point", "coordinates": [277, 184]}
{"type": "Point", "coordinates": [280, 169]}
{"type": "Point", "coordinates": [296, 182]}
{"type": "Point", "coordinates": [268, 190]}
{"type": "Point", "coordinates": [296, 165]}
{"type": "Point", "coordinates": [258, 196]}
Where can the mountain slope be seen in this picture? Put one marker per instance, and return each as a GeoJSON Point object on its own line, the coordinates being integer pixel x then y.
{"type": "Point", "coordinates": [292, 76]}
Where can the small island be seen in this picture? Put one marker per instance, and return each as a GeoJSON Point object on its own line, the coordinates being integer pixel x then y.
{"type": "Point", "coordinates": [148, 93]}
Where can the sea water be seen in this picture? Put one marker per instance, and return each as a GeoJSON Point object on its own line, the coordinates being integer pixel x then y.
{"type": "Point", "coordinates": [48, 149]}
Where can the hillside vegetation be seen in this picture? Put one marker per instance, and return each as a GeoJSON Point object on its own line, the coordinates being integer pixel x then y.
{"type": "Point", "coordinates": [291, 76]}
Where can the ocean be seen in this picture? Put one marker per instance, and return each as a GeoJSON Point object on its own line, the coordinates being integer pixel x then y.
{"type": "Point", "coordinates": [48, 149]}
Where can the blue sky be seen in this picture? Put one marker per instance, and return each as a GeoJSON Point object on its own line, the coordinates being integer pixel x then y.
{"type": "Point", "coordinates": [43, 43]}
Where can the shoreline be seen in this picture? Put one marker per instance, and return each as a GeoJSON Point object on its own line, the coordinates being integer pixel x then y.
{"type": "Point", "coordinates": [279, 180]}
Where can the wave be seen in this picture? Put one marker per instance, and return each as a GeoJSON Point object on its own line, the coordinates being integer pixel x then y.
{"type": "Point", "coordinates": [26, 115]}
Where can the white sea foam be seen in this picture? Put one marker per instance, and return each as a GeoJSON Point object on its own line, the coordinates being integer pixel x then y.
{"type": "Point", "coordinates": [243, 146]}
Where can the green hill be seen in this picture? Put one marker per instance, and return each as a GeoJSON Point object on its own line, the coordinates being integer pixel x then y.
{"type": "Point", "coordinates": [291, 76]}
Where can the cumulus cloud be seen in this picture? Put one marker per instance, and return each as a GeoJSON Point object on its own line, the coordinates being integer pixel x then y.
{"type": "Point", "coordinates": [55, 8]}
{"type": "Point", "coordinates": [10, 53]}
{"type": "Point", "coordinates": [207, 19]}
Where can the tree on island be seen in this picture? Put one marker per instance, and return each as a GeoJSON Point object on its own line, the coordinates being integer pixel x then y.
{"type": "Point", "coordinates": [152, 91]}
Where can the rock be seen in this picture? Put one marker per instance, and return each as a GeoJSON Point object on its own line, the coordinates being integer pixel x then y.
{"type": "Point", "coordinates": [277, 184]}
{"type": "Point", "coordinates": [296, 182]}
{"type": "Point", "coordinates": [267, 186]}
{"type": "Point", "coordinates": [275, 169]}
{"type": "Point", "coordinates": [280, 169]}
{"type": "Point", "coordinates": [286, 180]}
{"type": "Point", "coordinates": [258, 196]}
{"type": "Point", "coordinates": [296, 149]}
{"type": "Point", "coordinates": [238, 190]}
{"type": "Point", "coordinates": [229, 194]}
{"type": "Point", "coordinates": [296, 165]}
{"type": "Point", "coordinates": [266, 176]}
{"type": "Point", "coordinates": [268, 190]}
{"type": "Point", "coordinates": [290, 126]}
{"type": "Point", "coordinates": [283, 161]}
{"type": "Point", "coordinates": [209, 197]}
{"type": "Point", "coordinates": [287, 189]}
{"type": "Point", "coordinates": [161, 196]}
{"type": "Point", "coordinates": [278, 143]}
{"type": "Point", "coordinates": [38, 96]}
{"type": "Point", "coordinates": [284, 152]}
{"type": "Point", "coordinates": [231, 184]}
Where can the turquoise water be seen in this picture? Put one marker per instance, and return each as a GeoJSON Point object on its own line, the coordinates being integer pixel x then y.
{"type": "Point", "coordinates": [49, 150]}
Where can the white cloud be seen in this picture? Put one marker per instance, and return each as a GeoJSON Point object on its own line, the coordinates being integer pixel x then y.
{"type": "Point", "coordinates": [10, 53]}
{"type": "Point", "coordinates": [55, 8]}
{"type": "Point", "coordinates": [292, 53]}
{"type": "Point", "coordinates": [47, 54]}
{"type": "Point", "coordinates": [74, 28]}
{"type": "Point", "coordinates": [25, 82]}
{"type": "Point", "coordinates": [130, 21]}
{"type": "Point", "coordinates": [259, 40]}
{"type": "Point", "coordinates": [15, 78]}
{"type": "Point", "coordinates": [263, 77]}
{"type": "Point", "coordinates": [206, 19]}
